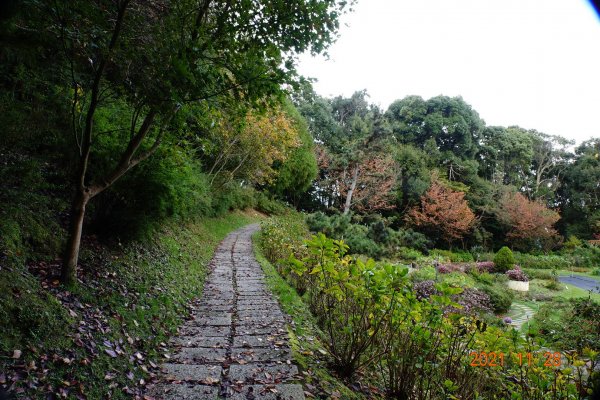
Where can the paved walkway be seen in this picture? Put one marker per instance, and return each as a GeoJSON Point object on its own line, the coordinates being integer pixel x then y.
{"type": "Point", "coordinates": [520, 313]}
{"type": "Point", "coordinates": [581, 282]}
{"type": "Point", "coordinates": [236, 346]}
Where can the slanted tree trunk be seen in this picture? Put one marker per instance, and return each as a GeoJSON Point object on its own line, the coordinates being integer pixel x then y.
{"type": "Point", "coordinates": [69, 270]}
{"type": "Point", "coordinates": [86, 192]}
{"type": "Point", "coordinates": [351, 190]}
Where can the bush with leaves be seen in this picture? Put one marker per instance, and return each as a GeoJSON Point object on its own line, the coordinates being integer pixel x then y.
{"type": "Point", "coordinates": [500, 298]}
{"type": "Point", "coordinates": [422, 341]}
{"type": "Point", "coordinates": [451, 256]}
{"type": "Point", "coordinates": [504, 259]}
{"type": "Point", "coordinates": [351, 299]}
{"type": "Point", "coordinates": [517, 274]}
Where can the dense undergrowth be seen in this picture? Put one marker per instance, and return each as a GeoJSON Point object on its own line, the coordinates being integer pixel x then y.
{"type": "Point", "coordinates": [105, 337]}
{"type": "Point", "coordinates": [415, 342]}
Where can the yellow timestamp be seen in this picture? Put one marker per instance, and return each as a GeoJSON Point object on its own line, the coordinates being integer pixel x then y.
{"type": "Point", "coordinates": [497, 359]}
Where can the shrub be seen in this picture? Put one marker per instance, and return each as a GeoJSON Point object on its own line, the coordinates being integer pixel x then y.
{"type": "Point", "coordinates": [449, 268]}
{"type": "Point", "coordinates": [539, 273]}
{"type": "Point", "coordinates": [483, 277]}
{"type": "Point", "coordinates": [352, 300]}
{"type": "Point", "coordinates": [423, 274]}
{"type": "Point", "coordinates": [425, 289]}
{"type": "Point", "coordinates": [553, 285]}
{"type": "Point", "coordinates": [572, 243]}
{"type": "Point", "coordinates": [485, 266]}
{"type": "Point", "coordinates": [167, 185]}
{"type": "Point", "coordinates": [449, 256]}
{"type": "Point", "coordinates": [474, 301]}
{"type": "Point", "coordinates": [357, 238]}
{"type": "Point", "coordinates": [517, 274]}
{"type": "Point", "coordinates": [504, 259]}
{"type": "Point", "coordinates": [596, 272]}
{"type": "Point", "coordinates": [543, 261]}
{"type": "Point", "coordinates": [269, 206]}
{"type": "Point", "coordinates": [407, 254]}
{"type": "Point", "coordinates": [282, 235]}
{"type": "Point", "coordinates": [500, 298]}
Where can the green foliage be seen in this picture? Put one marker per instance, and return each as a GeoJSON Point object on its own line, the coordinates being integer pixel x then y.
{"type": "Point", "coordinates": [168, 185]}
{"type": "Point", "coordinates": [572, 243]}
{"type": "Point", "coordinates": [540, 273]}
{"type": "Point", "coordinates": [555, 322]}
{"type": "Point", "coordinates": [297, 173]}
{"type": "Point", "coordinates": [408, 254]}
{"type": "Point", "coordinates": [426, 273]}
{"type": "Point", "coordinates": [549, 261]}
{"type": "Point", "coordinates": [369, 315]}
{"type": "Point", "coordinates": [452, 256]}
{"type": "Point", "coordinates": [504, 259]}
{"type": "Point", "coordinates": [29, 204]}
{"type": "Point", "coordinates": [500, 297]}
{"type": "Point", "coordinates": [367, 235]}
{"type": "Point", "coordinates": [281, 237]}
{"type": "Point", "coordinates": [351, 299]}
{"type": "Point", "coordinates": [30, 314]}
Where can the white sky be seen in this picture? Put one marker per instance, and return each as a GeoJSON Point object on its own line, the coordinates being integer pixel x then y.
{"type": "Point", "coordinates": [533, 63]}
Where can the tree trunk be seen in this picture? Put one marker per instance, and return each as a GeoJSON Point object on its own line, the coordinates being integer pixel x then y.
{"type": "Point", "coordinates": [69, 268]}
{"type": "Point", "coordinates": [351, 190]}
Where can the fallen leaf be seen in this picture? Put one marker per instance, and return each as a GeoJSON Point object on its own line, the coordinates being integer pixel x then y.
{"type": "Point", "coordinates": [17, 354]}
{"type": "Point", "coordinates": [111, 353]}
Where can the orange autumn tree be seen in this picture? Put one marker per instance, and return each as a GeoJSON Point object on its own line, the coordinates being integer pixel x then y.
{"type": "Point", "coordinates": [443, 212]}
{"type": "Point", "coordinates": [530, 223]}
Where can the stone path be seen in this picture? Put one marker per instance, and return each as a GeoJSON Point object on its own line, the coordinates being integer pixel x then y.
{"type": "Point", "coordinates": [236, 346]}
{"type": "Point", "coordinates": [520, 313]}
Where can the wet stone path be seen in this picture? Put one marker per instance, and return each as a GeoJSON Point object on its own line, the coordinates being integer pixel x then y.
{"type": "Point", "coordinates": [236, 345]}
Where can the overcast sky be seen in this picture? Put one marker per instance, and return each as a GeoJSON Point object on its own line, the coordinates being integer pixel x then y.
{"type": "Point", "coordinates": [533, 63]}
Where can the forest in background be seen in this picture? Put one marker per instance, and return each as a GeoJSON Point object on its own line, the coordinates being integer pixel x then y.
{"type": "Point", "coordinates": [126, 123]}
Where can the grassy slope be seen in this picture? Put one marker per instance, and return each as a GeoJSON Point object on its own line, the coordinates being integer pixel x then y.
{"type": "Point", "coordinates": [104, 338]}
{"type": "Point", "coordinates": [307, 351]}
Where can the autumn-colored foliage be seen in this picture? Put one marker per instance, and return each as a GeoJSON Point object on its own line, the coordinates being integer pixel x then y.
{"type": "Point", "coordinates": [443, 211]}
{"type": "Point", "coordinates": [375, 180]}
{"type": "Point", "coordinates": [249, 148]}
{"type": "Point", "coordinates": [530, 223]}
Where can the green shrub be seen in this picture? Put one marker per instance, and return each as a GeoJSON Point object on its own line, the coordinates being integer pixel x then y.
{"type": "Point", "coordinates": [481, 277]}
{"type": "Point", "coordinates": [596, 272]}
{"type": "Point", "coordinates": [500, 297]}
{"type": "Point", "coordinates": [357, 238]}
{"type": "Point", "coordinates": [352, 300]}
{"type": "Point", "coordinates": [539, 273]}
{"type": "Point", "coordinates": [549, 261]}
{"type": "Point", "coordinates": [572, 243]}
{"type": "Point", "coordinates": [281, 236]}
{"type": "Point", "coordinates": [504, 259]}
{"type": "Point", "coordinates": [426, 273]}
{"type": "Point", "coordinates": [167, 185]}
{"type": "Point", "coordinates": [458, 279]}
{"type": "Point", "coordinates": [268, 205]}
{"type": "Point", "coordinates": [553, 285]}
{"type": "Point", "coordinates": [408, 254]}
{"type": "Point", "coordinates": [450, 256]}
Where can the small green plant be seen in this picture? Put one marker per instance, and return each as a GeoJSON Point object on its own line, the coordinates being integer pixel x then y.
{"type": "Point", "coordinates": [572, 243]}
{"type": "Point", "coordinates": [500, 298]}
{"type": "Point", "coordinates": [351, 299]}
{"type": "Point", "coordinates": [504, 259]}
